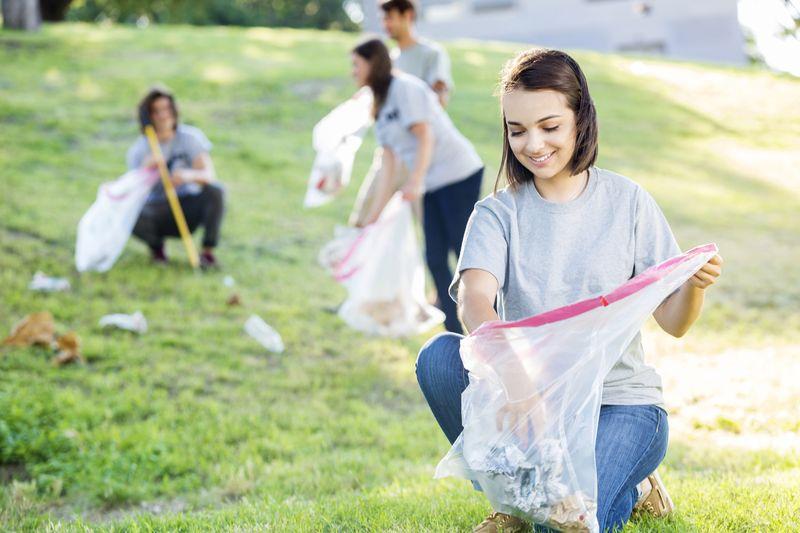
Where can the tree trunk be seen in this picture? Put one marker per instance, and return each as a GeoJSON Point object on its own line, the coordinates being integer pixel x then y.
{"type": "Point", "coordinates": [21, 14]}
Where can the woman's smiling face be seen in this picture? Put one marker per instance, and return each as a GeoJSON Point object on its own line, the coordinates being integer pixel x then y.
{"type": "Point", "coordinates": [541, 131]}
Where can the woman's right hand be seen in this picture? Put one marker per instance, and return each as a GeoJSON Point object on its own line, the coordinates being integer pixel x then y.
{"type": "Point", "coordinates": [524, 418]}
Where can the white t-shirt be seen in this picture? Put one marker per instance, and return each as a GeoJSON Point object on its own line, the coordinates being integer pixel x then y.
{"type": "Point", "coordinates": [408, 102]}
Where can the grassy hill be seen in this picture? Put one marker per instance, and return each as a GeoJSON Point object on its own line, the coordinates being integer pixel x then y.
{"type": "Point", "coordinates": [193, 427]}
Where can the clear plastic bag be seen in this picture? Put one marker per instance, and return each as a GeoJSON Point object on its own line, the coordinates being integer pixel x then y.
{"type": "Point", "coordinates": [531, 409]}
{"type": "Point", "coordinates": [381, 267]}
{"type": "Point", "coordinates": [107, 225]}
{"type": "Point", "coordinates": [336, 139]}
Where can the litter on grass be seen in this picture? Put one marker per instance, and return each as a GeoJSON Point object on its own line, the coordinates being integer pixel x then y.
{"type": "Point", "coordinates": [69, 350]}
{"type": "Point", "coordinates": [264, 334]}
{"type": "Point", "coordinates": [37, 329]}
{"type": "Point", "coordinates": [44, 283]}
{"type": "Point", "coordinates": [135, 322]}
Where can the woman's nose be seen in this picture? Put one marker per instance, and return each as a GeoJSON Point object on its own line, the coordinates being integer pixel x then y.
{"type": "Point", "coordinates": [535, 143]}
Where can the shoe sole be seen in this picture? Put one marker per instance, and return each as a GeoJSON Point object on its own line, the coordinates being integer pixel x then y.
{"type": "Point", "coordinates": [668, 506]}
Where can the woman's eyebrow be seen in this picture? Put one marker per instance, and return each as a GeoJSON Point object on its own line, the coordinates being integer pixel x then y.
{"type": "Point", "coordinates": [548, 117]}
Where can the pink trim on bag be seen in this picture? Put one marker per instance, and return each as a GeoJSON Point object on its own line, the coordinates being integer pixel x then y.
{"type": "Point", "coordinates": [337, 275]}
{"type": "Point", "coordinates": [632, 286]}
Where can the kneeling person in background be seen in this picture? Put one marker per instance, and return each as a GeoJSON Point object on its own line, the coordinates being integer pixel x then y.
{"type": "Point", "coordinates": [186, 152]}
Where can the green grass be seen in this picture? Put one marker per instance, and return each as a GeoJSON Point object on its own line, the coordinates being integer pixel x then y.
{"type": "Point", "coordinates": [193, 427]}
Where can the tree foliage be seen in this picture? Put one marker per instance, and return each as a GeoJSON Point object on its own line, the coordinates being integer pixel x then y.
{"type": "Point", "coordinates": [322, 14]}
{"type": "Point", "coordinates": [54, 10]}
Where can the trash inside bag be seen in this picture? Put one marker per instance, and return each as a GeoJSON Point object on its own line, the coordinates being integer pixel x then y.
{"type": "Point", "coordinates": [44, 283]}
{"type": "Point", "coordinates": [135, 322]}
{"type": "Point", "coordinates": [264, 334]}
{"type": "Point", "coordinates": [381, 268]}
{"type": "Point", "coordinates": [107, 225]}
{"type": "Point", "coordinates": [531, 409]}
{"type": "Point", "coordinates": [336, 140]}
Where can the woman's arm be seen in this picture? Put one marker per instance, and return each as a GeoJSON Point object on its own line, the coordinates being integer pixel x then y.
{"type": "Point", "coordinates": [414, 188]}
{"type": "Point", "coordinates": [202, 172]}
{"type": "Point", "coordinates": [383, 187]}
{"type": "Point", "coordinates": [476, 296]}
{"type": "Point", "coordinates": [477, 291]}
{"type": "Point", "coordinates": [679, 311]}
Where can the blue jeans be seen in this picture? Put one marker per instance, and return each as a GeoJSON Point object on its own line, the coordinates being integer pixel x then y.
{"type": "Point", "coordinates": [445, 213]}
{"type": "Point", "coordinates": [631, 439]}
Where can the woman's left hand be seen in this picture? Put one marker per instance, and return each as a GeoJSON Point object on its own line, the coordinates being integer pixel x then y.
{"type": "Point", "coordinates": [706, 276]}
{"type": "Point", "coordinates": [412, 190]}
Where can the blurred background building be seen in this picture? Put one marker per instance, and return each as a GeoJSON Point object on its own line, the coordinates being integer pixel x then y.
{"type": "Point", "coordinates": [701, 30]}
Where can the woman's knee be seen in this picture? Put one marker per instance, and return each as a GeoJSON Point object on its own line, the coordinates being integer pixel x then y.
{"type": "Point", "coordinates": [441, 351]}
{"type": "Point", "coordinates": [215, 193]}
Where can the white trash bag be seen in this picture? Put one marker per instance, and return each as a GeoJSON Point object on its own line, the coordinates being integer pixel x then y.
{"type": "Point", "coordinates": [336, 139]}
{"type": "Point", "coordinates": [107, 225]}
{"type": "Point", "coordinates": [531, 409]}
{"type": "Point", "coordinates": [381, 268]}
{"type": "Point", "coordinates": [336, 251]}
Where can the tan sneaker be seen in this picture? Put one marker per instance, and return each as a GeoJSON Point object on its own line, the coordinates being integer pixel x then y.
{"type": "Point", "coordinates": [501, 523]}
{"type": "Point", "coordinates": [655, 499]}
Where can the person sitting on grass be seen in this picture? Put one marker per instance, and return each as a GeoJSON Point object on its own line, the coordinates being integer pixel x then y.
{"type": "Point", "coordinates": [186, 152]}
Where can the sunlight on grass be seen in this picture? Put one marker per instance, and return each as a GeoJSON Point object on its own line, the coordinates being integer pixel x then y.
{"type": "Point", "coordinates": [220, 74]}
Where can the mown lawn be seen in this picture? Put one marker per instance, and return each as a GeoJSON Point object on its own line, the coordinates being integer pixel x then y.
{"type": "Point", "coordinates": [192, 426]}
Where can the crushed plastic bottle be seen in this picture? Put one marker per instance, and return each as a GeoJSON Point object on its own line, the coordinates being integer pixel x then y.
{"type": "Point", "coordinates": [264, 334]}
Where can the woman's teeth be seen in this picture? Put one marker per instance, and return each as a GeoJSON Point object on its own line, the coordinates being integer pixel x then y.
{"type": "Point", "coordinates": [543, 158]}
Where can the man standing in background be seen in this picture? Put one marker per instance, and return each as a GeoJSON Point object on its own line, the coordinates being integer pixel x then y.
{"type": "Point", "coordinates": [415, 55]}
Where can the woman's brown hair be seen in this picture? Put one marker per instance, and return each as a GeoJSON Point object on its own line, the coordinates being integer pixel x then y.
{"type": "Point", "coordinates": [380, 70]}
{"type": "Point", "coordinates": [146, 105]}
{"type": "Point", "coordinates": [542, 69]}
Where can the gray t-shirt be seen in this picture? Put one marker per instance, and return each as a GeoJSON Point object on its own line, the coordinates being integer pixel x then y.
{"type": "Point", "coordinates": [408, 102]}
{"type": "Point", "coordinates": [426, 60]}
{"type": "Point", "coordinates": [180, 152]}
{"type": "Point", "coordinates": [546, 255]}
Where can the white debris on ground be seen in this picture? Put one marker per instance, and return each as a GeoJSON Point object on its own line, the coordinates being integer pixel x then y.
{"type": "Point", "coordinates": [44, 283]}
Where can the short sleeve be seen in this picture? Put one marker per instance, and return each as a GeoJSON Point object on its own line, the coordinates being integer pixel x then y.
{"type": "Point", "coordinates": [485, 247]}
{"type": "Point", "coordinates": [196, 143]}
{"type": "Point", "coordinates": [136, 154]}
{"type": "Point", "coordinates": [654, 241]}
{"type": "Point", "coordinates": [415, 104]}
{"type": "Point", "coordinates": [441, 70]}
